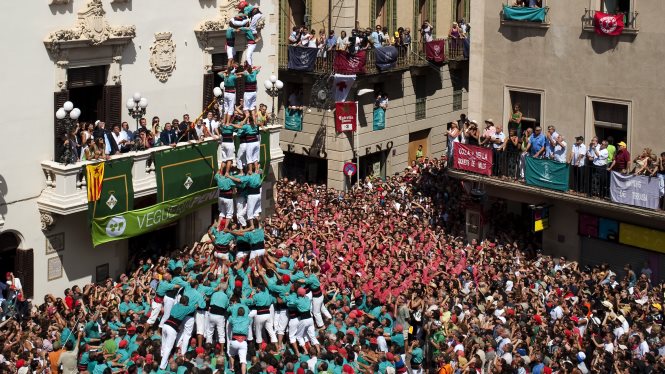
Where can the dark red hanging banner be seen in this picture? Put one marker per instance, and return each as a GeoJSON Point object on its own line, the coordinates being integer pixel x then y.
{"type": "Point", "coordinates": [435, 50]}
{"type": "Point", "coordinates": [346, 116]}
{"type": "Point", "coordinates": [608, 24]}
{"type": "Point", "coordinates": [350, 63]}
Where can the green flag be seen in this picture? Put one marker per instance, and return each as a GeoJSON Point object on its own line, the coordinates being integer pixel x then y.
{"type": "Point", "coordinates": [379, 122]}
{"type": "Point", "coordinates": [264, 153]}
{"type": "Point", "coordinates": [183, 170]}
{"type": "Point", "coordinates": [293, 119]}
{"type": "Point", "coordinates": [137, 222]}
{"type": "Point", "coordinates": [547, 173]}
{"type": "Point", "coordinates": [117, 194]}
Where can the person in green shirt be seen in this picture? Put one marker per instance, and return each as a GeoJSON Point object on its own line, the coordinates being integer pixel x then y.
{"type": "Point", "coordinates": [249, 96]}
{"type": "Point", "coordinates": [419, 153]}
{"type": "Point", "coordinates": [611, 149]}
{"type": "Point", "coordinates": [239, 324]}
{"type": "Point", "coordinates": [180, 311]}
{"type": "Point", "coordinates": [416, 357]}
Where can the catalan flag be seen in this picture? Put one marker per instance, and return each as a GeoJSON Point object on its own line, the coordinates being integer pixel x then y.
{"type": "Point", "coordinates": [94, 178]}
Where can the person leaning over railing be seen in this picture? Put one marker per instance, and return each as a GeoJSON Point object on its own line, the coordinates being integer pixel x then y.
{"type": "Point", "coordinates": [577, 160]}
{"type": "Point", "coordinates": [511, 150]}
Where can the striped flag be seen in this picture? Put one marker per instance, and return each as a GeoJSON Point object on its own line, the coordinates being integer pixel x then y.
{"type": "Point", "coordinates": [94, 178]}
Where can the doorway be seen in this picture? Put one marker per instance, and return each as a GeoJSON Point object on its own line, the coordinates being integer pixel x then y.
{"type": "Point", "coordinates": [155, 243]}
{"type": "Point", "coordinates": [416, 140]}
{"type": "Point", "coordinates": [9, 243]}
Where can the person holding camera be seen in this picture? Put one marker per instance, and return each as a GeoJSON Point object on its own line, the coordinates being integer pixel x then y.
{"type": "Point", "coordinates": [426, 30]}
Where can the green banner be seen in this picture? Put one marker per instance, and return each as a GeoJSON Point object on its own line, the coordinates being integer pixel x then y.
{"type": "Point", "coordinates": [137, 222]}
{"type": "Point", "coordinates": [547, 173]}
{"type": "Point", "coordinates": [117, 194]}
{"type": "Point", "coordinates": [184, 170]}
{"type": "Point", "coordinates": [293, 119]}
{"type": "Point", "coordinates": [379, 122]}
{"type": "Point", "coordinates": [524, 14]}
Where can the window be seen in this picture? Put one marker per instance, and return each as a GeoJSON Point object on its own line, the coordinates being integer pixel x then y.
{"type": "Point", "coordinates": [625, 7]}
{"type": "Point", "coordinates": [519, 13]}
{"type": "Point", "coordinates": [457, 99]}
{"type": "Point", "coordinates": [424, 10]}
{"type": "Point", "coordinates": [610, 119]}
{"type": "Point", "coordinates": [420, 88]}
{"type": "Point", "coordinates": [531, 105]}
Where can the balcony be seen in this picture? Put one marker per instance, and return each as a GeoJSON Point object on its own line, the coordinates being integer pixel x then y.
{"type": "Point", "coordinates": [65, 189]}
{"type": "Point", "coordinates": [525, 17]}
{"type": "Point", "coordinates": [629, 21]}
{"type": "Point", "coordinates": [412, 57]}
{"type": "Point", "coordinates": [589, 186]}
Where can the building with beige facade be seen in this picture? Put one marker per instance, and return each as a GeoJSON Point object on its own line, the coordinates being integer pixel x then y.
{"type": "Point", "coordinates": [565, 74]}
{"type": "Point", "coordinates": [423, 97]}
{"type": "Point", "coordinates": [97, 53]}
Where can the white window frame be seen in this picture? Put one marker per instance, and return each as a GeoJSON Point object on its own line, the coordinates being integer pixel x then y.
{"type": "Point", "coordinates": [508, 107]}
{"type": "Point", "coordinates": [589, 123]}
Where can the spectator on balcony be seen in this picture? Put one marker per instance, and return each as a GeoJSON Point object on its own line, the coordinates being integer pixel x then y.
{"type": "Point", "coordinates": [611, 149]}
{"type": "Point", "coordinates": [342, 41]}
{"type": "Point", "coordinates": [354, 40]}
{"type": "Point", "coordinates": [321, 43]}
{"type": "Point", "coordinates": [155, 132]}
{"type": "Point", "coordinates": [331, 42]}
{"type": "Point", "coordinates": [453, 135]}
{"type": "Point", "coordinates": [577, 160]}
{"type": "Point", "coordinates": [308, 38]}
{"type": "Point", "coordinates": [407, 37]}
{"type": "Point", "coordinates": [143, 126]}
{"type": "Point", "coordinates": [471, 134]}
{"type": "Point", "coordinates": [455, 35]}
{"type": "Point", "coordinates": [168, 136]}
{"type": "Point", "coordinates": [86, 132]}
{"type": "Point", "coordinates": [100, 150]}
{"type": "Point", "coordinates": [621, 161]}
{"type": "Point", "coordinates": [124, 145]}
{"type": "Point", "coordinates": [294, 37]}
{"type": "Point", "coordinates": [488, 133]}
{"type": "Point", "coordinates": [71, 146]}
{"type": "Point", "coordinates": [515, 121]}
{"type": "Point", "coordinates": [641, 162]}
{"type": "Point", "coordinates": [376, 38]}
{"type": "Point", "coordinates": [559, 150]}
{"type": "Point", "coordinates": [143, 141]}
{"type": "Point", "coordinates": [386, 37]}
{"type": "Point", "coordinates": [202, 130]}
{"type": "Point", "coordinates": [463, 26]}
{"type": "Point", "coordinates": [551, 135]}
{"type": "Point", "coordinates": [661, 173]}
{"type": "Point", "coordinates": [426, 31]}
{"type": "Point", "coordinates": [600, 154]}
{"type": "Point", "coordinates": [85, 149]}
{"type": "Point", "coordinates": [590, 153]}
{"type": "Point", "coordinates": [537, 143]}
{"type": "Point", "coordinates": [511, 149]}
{"type": "Point", "coordinates": [496, 142]}
{"type": "Point", "coordinates": [126, 133]}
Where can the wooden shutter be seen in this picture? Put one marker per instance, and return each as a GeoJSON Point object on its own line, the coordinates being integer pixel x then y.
{"type": "Point", "coordinates": [112, 105]}
{"type": "Point", "coordinates": [59, 99]}
{"type": "Point", "coordinates": [219, 62]}
{"type": "Point", "coordinates": [208, 85]}
{"type": "Point", "coordinates": [86, 77]}
{"type": "Point", "coordinates": [25, 270]}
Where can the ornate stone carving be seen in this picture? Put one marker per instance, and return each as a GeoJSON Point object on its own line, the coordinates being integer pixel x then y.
{"type": "Point", "coordinates": [47, 219]}
{"type": "Point", "coordinates": [91, 27]}
{"type": "Point", "coordinates": [162, 56]}
{"type": "Point", "coordinates": [226, 11]}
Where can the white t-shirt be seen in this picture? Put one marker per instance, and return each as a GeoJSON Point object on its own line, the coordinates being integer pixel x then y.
{"type": "Point", "coordinates": [560, 152]}
{"type": "Point", "coordinates": [601, 158]}
{"type": "Point", "coordinates": [575, 155]}
{"type": "Point", "coordinates": [212, 125]}
{"type": "Point", "coordinates": [382, 343]}
{"type": "Point", "coordinates": [501, 136]}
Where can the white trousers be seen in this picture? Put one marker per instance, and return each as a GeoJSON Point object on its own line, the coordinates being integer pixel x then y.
{"type": "Point", "coordinates": [155, 308]}
{"type": "Point", "coordinates": [186, 334]}
{"type": "Point", "coordinates": [241, 157]}
{"type": "Point", "coordinates": [215, 322]}
{"type": "Point", "coordinates": [229, 102]}
{"type": "Point", "coordinates": [250, 50]}
{"type": "Point", "coordinates": [293, 329]}
{"type": "Point", "coordinates": [241, 209]}
{"type": "Point", "coordinates": [317, 304]}
{"type": "Point", "coordinates": [281, 322]}
{"type": "Point", "coordinates": [168, 339]}
{"type": "Point", "coordinates": [306, 329]}
{"type": "Point", "coordinates": [168, 304]}
{"type": "Point", "coordinates": [252, 152]}
{"type": "Point", "coordinates": [239, 349]}
{"type": "Point", "coordinates": [254, 206]}
{"type": "Point", "coordinates": [230, 52]}
{"type": "Point", "coordinates": [228, 151]}
{"type": "Point", "coordinates": [200, 322]}
{"type": "Point", "coordinates": [225, 206]}
{"type": "Point", "coordinates": [249, 100]}
{"type": "Point", "coordinates": [256, 253]}
{"type": "Point", "coordinates": [262, 321]}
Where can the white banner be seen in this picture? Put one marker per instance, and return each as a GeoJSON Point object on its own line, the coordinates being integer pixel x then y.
{"type": "Point", "coordinates": [342, 85]}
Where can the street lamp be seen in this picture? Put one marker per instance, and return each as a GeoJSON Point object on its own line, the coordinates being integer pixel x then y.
{"type": "Point", "coordinates": [136, 107]}
{"type": "Point", "coordinates": [273, 89]}
{"type": "Point", "coordinates": [68, 116]}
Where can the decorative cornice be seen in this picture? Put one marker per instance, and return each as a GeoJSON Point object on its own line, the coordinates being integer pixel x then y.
{"type": "Point", "coordinates": [119, 1]}
{"type": "Point", "coordinates": [202, 31]}
{"type": "Point", "coordinates": [91, 29]}
{"type": "Point", "coordinates": [59, 2]}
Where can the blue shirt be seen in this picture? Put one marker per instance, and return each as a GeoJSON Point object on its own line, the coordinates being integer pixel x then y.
{"type": "Point", "coordinates": [537, 143]}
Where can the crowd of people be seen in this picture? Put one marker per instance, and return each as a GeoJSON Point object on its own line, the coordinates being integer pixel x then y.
{"type": "Point", "coordinates": [590, 164]}
{"type": "Point", "coordinates": [378, 279]}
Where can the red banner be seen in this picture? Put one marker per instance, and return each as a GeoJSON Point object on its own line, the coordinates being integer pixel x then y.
{"type": "Point", "coordinates": [346, 116]}
{"type": "Point", "coordinates": [350, 63]}
{"type": "Point", "coordinates": [608, 24]}
{"type": "Point", "coordinates": [472, 158]}
{"type": "Point", "coordinates": [435, 50]}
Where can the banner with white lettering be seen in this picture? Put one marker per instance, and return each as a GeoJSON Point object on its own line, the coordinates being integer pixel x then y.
{"type": "Point", "coordinates": [472, 158]}
{"type": "Point", "coordinates": [636, 190]}
{"type": "Point", "coordinates": [346, 116]}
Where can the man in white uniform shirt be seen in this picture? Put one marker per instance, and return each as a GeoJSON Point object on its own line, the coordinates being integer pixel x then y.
{"type": "Point", "coordinates": [211, 124]}
{"type": "Point", "coordinates": [577, 161]}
